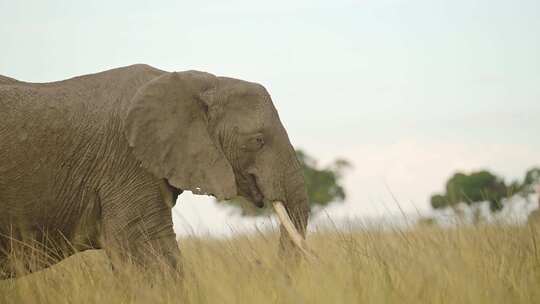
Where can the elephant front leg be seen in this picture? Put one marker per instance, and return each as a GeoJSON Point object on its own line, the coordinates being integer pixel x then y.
{"type": "Point", "coordinates": [141, 233]}
{"type": "Point", "coordinates": [163, 255]}
{"type": "Point", "coordinates": [150, 254]}
{"type": "Point", "coordinates": [5, 273]}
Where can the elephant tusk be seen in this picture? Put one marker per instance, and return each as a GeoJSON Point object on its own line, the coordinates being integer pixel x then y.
{"type": "Point", "coordinates": [296, 238]}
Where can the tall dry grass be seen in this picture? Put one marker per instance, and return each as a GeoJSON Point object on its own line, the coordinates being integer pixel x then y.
{"type": "Point", "coordinates": [483, 264]}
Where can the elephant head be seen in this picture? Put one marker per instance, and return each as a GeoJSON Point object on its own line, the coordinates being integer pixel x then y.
{"type": "Point", "coordinates": [219, 136]}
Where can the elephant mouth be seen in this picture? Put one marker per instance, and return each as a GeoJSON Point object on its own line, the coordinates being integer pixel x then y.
{"type": "Point", "coordinates": [255, 191]}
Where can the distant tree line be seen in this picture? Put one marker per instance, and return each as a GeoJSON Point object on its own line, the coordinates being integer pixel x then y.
{"type": "Point", "coordinates": [482, 186]}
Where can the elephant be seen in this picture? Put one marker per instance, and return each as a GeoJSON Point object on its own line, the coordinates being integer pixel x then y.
{"type": "Point", "coordinates": [98, 161]}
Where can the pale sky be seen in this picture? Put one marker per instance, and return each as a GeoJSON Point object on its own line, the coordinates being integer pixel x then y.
{"type": "Point", "coordinates": [408, 91]}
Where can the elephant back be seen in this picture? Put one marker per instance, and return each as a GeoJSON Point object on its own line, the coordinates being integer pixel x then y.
{"type": "Point", "coordinates": [7, 80]}
{"type": "Point", "coordinates": [46, 128]}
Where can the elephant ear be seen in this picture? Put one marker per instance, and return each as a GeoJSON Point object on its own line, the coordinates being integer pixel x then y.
{"type": "Point", "coordinates": [167, 126]}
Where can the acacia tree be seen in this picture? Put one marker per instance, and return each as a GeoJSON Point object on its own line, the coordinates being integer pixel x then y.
{"type": "Point", "coordinates": [472, 188]}
{"type": "Point", "coordinates": [483, 186]}
{"type": "Point", "coordinates": [324, 184]}
{"type": "Point", "coordinates": [531, 180]}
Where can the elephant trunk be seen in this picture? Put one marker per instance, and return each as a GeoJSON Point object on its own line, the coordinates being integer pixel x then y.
{"type": "Point", "coordinates": [292, 232]}
{"type": "Point", "coordinates": [293, 214]}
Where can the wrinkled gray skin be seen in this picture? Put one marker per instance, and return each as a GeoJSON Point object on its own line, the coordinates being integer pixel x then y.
{"type": "Point", "coordinates": [97, 161]}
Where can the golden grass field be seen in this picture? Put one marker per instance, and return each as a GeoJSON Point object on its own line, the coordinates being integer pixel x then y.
{"type": "Point", "coordinates": [482, 264]}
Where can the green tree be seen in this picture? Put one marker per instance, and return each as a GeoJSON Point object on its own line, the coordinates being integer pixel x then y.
{"type": "Point", "coordinates": [439, 201]}
{"type": "Point", "coordinates": [324, 184]}
{"type": "Point", "coordinates": [532, 178]}
{"type": "Point", "coordinates": [473, 188]}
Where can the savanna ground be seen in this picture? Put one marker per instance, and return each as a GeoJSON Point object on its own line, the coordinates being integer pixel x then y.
{"type": "Point", "coordinates": [479, 264]}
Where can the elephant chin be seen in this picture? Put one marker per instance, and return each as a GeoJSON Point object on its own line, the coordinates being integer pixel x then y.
{"type": "Point", "coordinates": [249, 192]}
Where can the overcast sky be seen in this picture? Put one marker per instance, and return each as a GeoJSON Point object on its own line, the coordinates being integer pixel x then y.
{"type": "Point", "coordinates": [408, 91]}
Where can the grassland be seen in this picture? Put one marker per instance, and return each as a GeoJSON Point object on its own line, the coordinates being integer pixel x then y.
{"type": "Point", "coordinates": [483, 264]}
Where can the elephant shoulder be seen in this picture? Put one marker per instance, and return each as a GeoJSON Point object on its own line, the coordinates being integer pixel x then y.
{"type": "Point", "coordinates": [85, 96]}
{"type": "Point", "coordinates": [137, 68]}
{"type": "Point", "coordinates": [131, 73]}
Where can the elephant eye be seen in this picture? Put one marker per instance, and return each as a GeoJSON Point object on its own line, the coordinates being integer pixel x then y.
{"type": "Point", "coordinates": [254, 143]}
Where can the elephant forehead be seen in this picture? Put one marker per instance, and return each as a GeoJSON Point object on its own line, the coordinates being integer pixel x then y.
{"type": "Point", "coordinates": [247, 115]}
{"type": "Point", "coordinates": [235, 89]}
